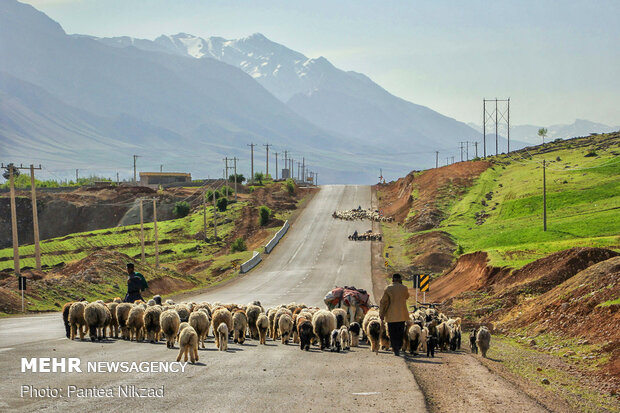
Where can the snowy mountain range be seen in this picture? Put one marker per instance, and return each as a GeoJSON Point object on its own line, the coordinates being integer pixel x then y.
{"type": "Point", "coordinates": [344, 103]}
{"type": "Point", "coordinates": [75, 101]}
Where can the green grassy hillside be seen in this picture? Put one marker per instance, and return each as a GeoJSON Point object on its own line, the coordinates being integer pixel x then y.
{"type": "Point", "coordinates": [583, 202]}
{"type": "Point", "coordinates": [501, 211]}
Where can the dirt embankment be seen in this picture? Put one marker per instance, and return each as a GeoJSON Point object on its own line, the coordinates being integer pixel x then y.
{"type": "Point", "coordinates": [570, 293]}
{"type": "Point", "coordinates": [432, 187]}
{"type": "Point", "coordinates": [85, 209]}
{"type": "Point", "coordinates": [416, 203]}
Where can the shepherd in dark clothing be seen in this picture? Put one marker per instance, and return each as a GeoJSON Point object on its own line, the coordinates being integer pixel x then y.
{"type": "Point", "coordinates": [135, 284]}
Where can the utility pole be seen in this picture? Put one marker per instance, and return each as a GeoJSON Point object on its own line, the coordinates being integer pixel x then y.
{"type": "Point", "coordinates": [316, 179]}
{"type": "Point", "coordinates": [35, 218]}
{"type": "Point", "coordinates": [508, 124]}
{"type": "Point", "coordinates": [251, 145]}
{"type": "Point", "coordinates": [453, 159]}
{"type": "Point", "coordinates": [142, 256]}
{"type": "Point", "coordinates": [436, 159]}
{"type": "Point", "coordinates": [12, 171]}
{"type": "Point", "coordinates": [76, 176]}
{"type": "Point", "coordinates": [267, 158]}
{"type": "Point", "coordinates": [484, 127]}
{"type": "Point", "coordinates": [544, 198]}
{"type": "Point", "coordinates": [135, 176]}
{"type": "Point", "coordinates": [214, 218]}
{"type": "Point", "coordinates": [276, 165]}
{"type": "Point", "coordinates": [118, 181]}
{"type": "Point", "coordinates": [226, 175]}
{"type": "Point", "coordinates": [204, 213]}
{"type": "Point", "coordinates": [496, 141]}
{"type": "Point", "coordinates": [303, 169]}
{"type": "Point", "coordinates": [10, 174]}
{"type": "Point", "coordinates": [467, 150]}
{"type": "Point", "coordinates": [286, 161]}
{"type": "Point", "coordinates": [461, 143]}
{"type": "Point", "coordinates": [155, 229]}
{"type": "Point", "coordinates": [447, 160]}
{"type": "Point", "coordinates": [476, 144]}
{"type": "Point", "coordinates": [298, 168]}
{"type": "Point", "coordinates": [235, 169]}
{"type": "Point", "coordinates": [161, 168]}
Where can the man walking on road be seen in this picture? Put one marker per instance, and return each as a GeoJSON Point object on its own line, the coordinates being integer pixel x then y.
{"type": "Point", "coordinates": [135, 283]}
{"type": "Point", "coordinates": [393, 310]}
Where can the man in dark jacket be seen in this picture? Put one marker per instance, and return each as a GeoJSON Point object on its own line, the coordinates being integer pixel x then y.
{"type": "Point", "coordinates": [135, 284]}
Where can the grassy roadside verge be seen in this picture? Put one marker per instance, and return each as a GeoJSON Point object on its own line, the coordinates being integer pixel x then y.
{"type": "Point", "coordinates": [515, 360]}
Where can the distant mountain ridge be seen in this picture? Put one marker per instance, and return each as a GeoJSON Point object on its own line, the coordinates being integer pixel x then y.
{"type": "Point", "coordinates": [74, 101]}
{"type": "Point", "coordinates": [345, 103]}
{"type": "Point", "coordinates": [529, 133]}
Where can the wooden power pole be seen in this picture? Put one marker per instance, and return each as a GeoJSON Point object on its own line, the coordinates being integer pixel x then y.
{"type": "Point", "coordinates": [276, 165]}
{"type": "Point", "coordinates": [142, 257]}
{"type": "Point", "coordinates": [155, 231]}
{"type": "Point", "coordinates": [204, 213]}
{"type": "Point", "coordinates": [235, 169]}
{"type": "Point", "coordinates": [214, 218]}
{"type": "Point", "coordinates": [35, 218]}
{"type": "Point", "coordinates": [267, 158]}
{"type": "Point", "coordinates": [544, 198]}
{"type": "Point", "coordinates": [252, 145]}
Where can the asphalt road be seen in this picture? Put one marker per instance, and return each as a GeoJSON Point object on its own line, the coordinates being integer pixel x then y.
{"type": "Point", "coordinates": [313, 257]}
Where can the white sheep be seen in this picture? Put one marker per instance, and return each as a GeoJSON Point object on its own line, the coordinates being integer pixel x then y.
{"type": "Point", "coordinates": [252, 312]}
{"type": "Point", "coordinates": [221, 316]}
{"type": "Point", "coordinates": [240, 326]}
{"type": "Point", "coordinates": [345, 338]}
{"type": "Point", "coordinates": [285, 325]}
{"type": "Point", "coordinates": [262, 325]}
{"type": "Point", "coordinates": [169, 322]}
{"type": "Point", "coordinates": [135, 322]}
{"type": "Point", "coordinates": [188, 343]}
{"type": "Point", "coordinates": [76, 319]}
{"type": "Point", "coordinates": [323, 322]}
{"type": "Point", "coordinates": [199, 320]}
{"type": "Point", "coordinates": [95, 317]}
{"type": "Point", "coordinates": [221, 337]}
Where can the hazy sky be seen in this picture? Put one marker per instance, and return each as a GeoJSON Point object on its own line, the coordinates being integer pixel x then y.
{"type": "Point", "coordinates": [556, 60]}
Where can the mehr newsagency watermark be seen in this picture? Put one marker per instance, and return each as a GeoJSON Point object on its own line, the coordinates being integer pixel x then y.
{"type": "Point", "coordinates": [43, 365]}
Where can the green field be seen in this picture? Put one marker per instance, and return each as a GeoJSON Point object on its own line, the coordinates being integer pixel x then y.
{"type": "Point", "coordinates": [583, 203]}
{"type": "Point", "coordinates": [176, 239]}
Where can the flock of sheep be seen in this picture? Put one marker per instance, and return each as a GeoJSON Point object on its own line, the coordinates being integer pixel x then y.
{"type": "Point", "coordinates": [428, 329]}
{"type": "Point", "coordinates": [189, 324]}
{"type": "Point", "coordinates": [361, 214]}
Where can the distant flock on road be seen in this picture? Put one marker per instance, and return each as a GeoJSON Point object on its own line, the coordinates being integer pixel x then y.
{"type": "Point", "coordinates": [189, 325]}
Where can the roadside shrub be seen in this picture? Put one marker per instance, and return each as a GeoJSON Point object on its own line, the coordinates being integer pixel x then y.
{"type": "Point", "coordinates": [259, 176]}
{"type": "Point", "coordinates": [181, 209]}
{"type": "Point", "coordinates": [240, 178]}
{"type": "Point", "coordinates": [226, 190]}
{"type": "Point", "coordinates": [263, 215]}
{"type": "Point", "coordinates": [477, 158]}
{"type": "Point", "coordinates": [591, 153]}
{"type": "Point", "coordinates": [290, 186]}
{"type": "Point", "coordinates": [238, 245]}
{"type": "Point", "coordinates": [459, 250]}
{"type": "Point", "coordinates": [222, 204]}
{"type": "Point", "coordinates": [209, 195]}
